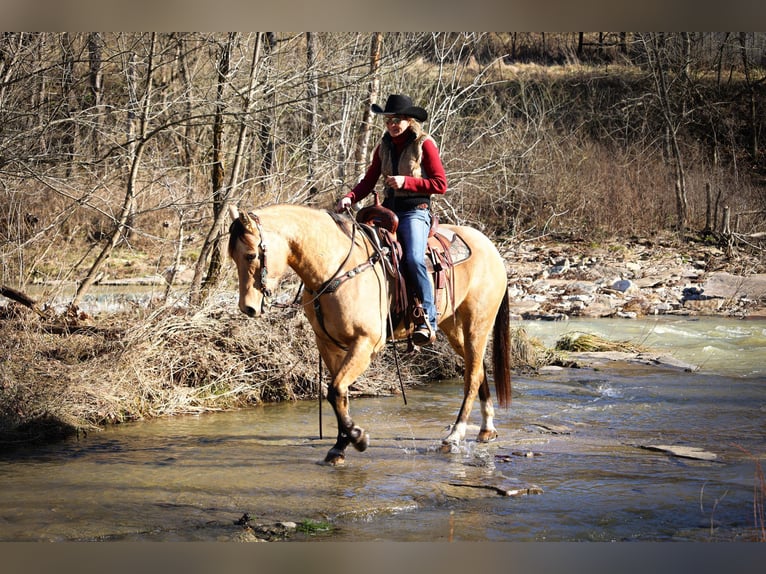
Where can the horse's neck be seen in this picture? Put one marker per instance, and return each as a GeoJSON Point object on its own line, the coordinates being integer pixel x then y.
{"type": "Point", "coordinates": [314, 245]}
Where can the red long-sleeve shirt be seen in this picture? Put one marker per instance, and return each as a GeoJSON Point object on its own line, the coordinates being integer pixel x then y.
{"type": "Point", "coordinates": [435, 181]}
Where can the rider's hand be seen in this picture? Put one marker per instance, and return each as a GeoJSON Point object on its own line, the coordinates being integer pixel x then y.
{"type": "Point", "coordinates": [343, 204]}
{"type": "Point", "coordinates": [395, 181]}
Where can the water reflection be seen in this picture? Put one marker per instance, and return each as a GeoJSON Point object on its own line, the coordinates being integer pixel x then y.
{"type": "Point", "coordinates": [193, 477]}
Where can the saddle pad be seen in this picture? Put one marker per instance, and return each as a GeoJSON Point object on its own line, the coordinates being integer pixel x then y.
{"type": "Point", "coordinates": [458, 248]}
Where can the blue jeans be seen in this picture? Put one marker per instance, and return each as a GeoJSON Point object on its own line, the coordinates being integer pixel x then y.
{"type": "Point", "coordinates": [412, 233]}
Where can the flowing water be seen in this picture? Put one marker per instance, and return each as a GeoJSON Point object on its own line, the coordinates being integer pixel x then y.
{"type": "Point", "coordinates": [575, 437]}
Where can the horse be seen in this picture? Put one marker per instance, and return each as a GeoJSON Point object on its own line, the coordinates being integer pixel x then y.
{"type": "Point", "coordinates": [346, 300]}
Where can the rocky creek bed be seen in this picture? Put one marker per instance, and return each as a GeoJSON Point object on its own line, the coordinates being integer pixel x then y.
{"type": "Point", "coordinates": [554, 280]}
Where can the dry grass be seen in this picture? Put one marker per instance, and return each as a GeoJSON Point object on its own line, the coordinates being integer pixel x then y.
{"type": "Point", "coordinates": [175, 361]}
{"type": "Point", "coordinates": [586, 342]}
{"type": "Point", "coordinates": [167, 363]}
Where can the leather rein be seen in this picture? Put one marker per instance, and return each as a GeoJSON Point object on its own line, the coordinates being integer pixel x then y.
{"type": "Point", "coordinates": [329, 286]}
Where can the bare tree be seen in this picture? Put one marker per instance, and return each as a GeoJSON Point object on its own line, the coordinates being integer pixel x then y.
{"type": "Point", "coordinates": [210, 255]}
{"type": "Point", "coordinates": [363, 138]}
{"type": "Point", "coordinates": [312, 95]}
{"type": "Point", "coordinates": [128, 207]}
{"type": "Point", "coordinates": [755, 117]}
{"type": "Point", "coordinates": [96, 84]}
{"type": "Point", "coordinates": [665, 79]}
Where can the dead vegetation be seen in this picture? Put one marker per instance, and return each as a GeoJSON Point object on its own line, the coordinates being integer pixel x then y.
{"type": "Point", "coordinates": [579, 342]}
{"type": "Point", "coordinates": [172, 361]}
{"type": "Point", "coordinates": [58, 382]}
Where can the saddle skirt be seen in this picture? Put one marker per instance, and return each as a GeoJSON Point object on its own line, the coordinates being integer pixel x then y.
{"type": "Point", "coordinates": [444, 250]}
{"type": "Point", "coordinates": [445, 247]}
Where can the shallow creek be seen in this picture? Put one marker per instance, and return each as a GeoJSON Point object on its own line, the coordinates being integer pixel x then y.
{"type": "Point", "coordinates": [574, 437]}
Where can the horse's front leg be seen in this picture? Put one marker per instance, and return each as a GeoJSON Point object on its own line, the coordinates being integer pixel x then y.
{"type": "Point", "coordinates": [354, 364]}
{"type": "Point", "coordinates": [348, 431]}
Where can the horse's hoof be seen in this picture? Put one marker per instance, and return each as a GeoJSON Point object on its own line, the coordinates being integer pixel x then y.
{"type": "Point", "coordinates": [449, 447]}
{"type": "Point", "coordinates": [362, 441]}
{"type": "Point", "coordinates": [487, 436]}
{"type": "Point", "coordinates": [335, 458]}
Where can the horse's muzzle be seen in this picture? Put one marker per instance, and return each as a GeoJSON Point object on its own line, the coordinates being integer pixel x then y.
{"type": "Point", "coordinates": [249, 311]}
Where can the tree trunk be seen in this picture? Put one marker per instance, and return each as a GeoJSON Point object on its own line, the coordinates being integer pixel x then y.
{"type": "Point", "coordinates": [211, 247]}
{"type": "Point", "coordinates": [130, 126]}
{"type": "Point", "coordinates": [67, 101]}
{"type": "Point", "coordinates": [312, 94]}
{"type": "Point", "coordinates": [363, 139]}
{"type": "Point", "coordinates": [266, 138]}
{"type": "Point", "coordinates": [751, 92]}
{"type": "Point", "coordinates": [95, 77]}
{"type": "Point", "coordinates": [655, 50]}
{"type": "Point", "coordinates": [216, 234]}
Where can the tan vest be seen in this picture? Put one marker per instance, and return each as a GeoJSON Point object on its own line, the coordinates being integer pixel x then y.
{"type": "Point", "coordinates": [409, 161]}
{"type": "Point", "coordinates": [409, 164]}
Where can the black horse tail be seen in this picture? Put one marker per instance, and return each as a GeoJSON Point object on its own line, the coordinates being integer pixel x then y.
{"type": "Point", "coordinates": [501, 352]}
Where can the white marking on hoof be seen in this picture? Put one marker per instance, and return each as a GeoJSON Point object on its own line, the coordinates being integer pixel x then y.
{"type": "Point", "coordinates": [457, 435]}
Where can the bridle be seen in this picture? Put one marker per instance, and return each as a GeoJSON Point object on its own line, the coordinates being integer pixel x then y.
{"type": "Point", "coordinates": [330, 286]}
{"type": "Point", "coordinates": [252, 224]}
{"type": "Point", "coordinates": [248, 221]}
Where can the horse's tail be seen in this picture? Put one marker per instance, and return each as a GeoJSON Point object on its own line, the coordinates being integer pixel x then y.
{"type": "Point", "coordinates": [501, 352]}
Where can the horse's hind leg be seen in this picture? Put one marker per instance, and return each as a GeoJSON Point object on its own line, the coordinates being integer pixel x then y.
{"type": "Point", "coordinates": [472, 387]}
{"type": "Point", "coordinates": [487, 432]}
{"type": "Point", "coordinates": [472, 349]}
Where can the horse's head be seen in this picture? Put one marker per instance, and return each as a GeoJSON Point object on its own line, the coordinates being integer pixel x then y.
{"type": "Point", "coordinates": [248, 250]}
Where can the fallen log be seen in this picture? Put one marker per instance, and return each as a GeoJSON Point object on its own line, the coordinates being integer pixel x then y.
{"type": "Point", "coordinates": [19, 297]}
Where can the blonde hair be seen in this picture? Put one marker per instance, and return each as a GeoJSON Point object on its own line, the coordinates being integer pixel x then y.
{"type": "Point", "coordinates": [415, 126]}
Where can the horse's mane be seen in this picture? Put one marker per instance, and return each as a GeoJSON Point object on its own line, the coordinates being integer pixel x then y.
{"type": "Point", "coordinates": [343, 221]}
{"type": "Point", "coordinates": [237, 230]}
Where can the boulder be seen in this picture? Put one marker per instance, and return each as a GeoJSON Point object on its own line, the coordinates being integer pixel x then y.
{"type": "Point", "coordinates": [729, 286]}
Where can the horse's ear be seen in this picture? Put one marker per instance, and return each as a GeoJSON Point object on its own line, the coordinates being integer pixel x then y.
{"type": "Point", "coordinates": [233, 212]}
{"type": "Point", "coordinates": [247, 222]}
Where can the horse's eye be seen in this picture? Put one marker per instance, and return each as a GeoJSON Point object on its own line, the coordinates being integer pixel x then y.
{"type": "Point", "coordinates": [250, 257]}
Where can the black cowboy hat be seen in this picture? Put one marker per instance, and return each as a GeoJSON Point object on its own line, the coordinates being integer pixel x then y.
{"type": "Point", "coordinates": [400, 105]}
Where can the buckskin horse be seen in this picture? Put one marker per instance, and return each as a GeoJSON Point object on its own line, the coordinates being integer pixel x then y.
{"type": "Point", "coordinates": [346, 300]}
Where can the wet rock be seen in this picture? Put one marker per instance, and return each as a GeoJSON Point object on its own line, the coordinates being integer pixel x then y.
{"type": "Point", "coordinates": [627, 314]}
{"type": "Point", "coordinates": [602, 358]}
{"type": "Point", "coordinates": [682, 451]}
{"type": "Point", "coordinates": [526, 454]}
{"type": "Point", "coordinates": [255, 532]}
{"type": "Point", "coordinates": [552, 428]}
{"type": "Point", "coordinates": [502, 486]}
{"type": "Point", "coordinates": [546, 316]}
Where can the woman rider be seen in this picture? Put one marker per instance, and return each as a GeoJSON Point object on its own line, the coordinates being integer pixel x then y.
{"type": "Point", "coordinates": [408, 160]}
